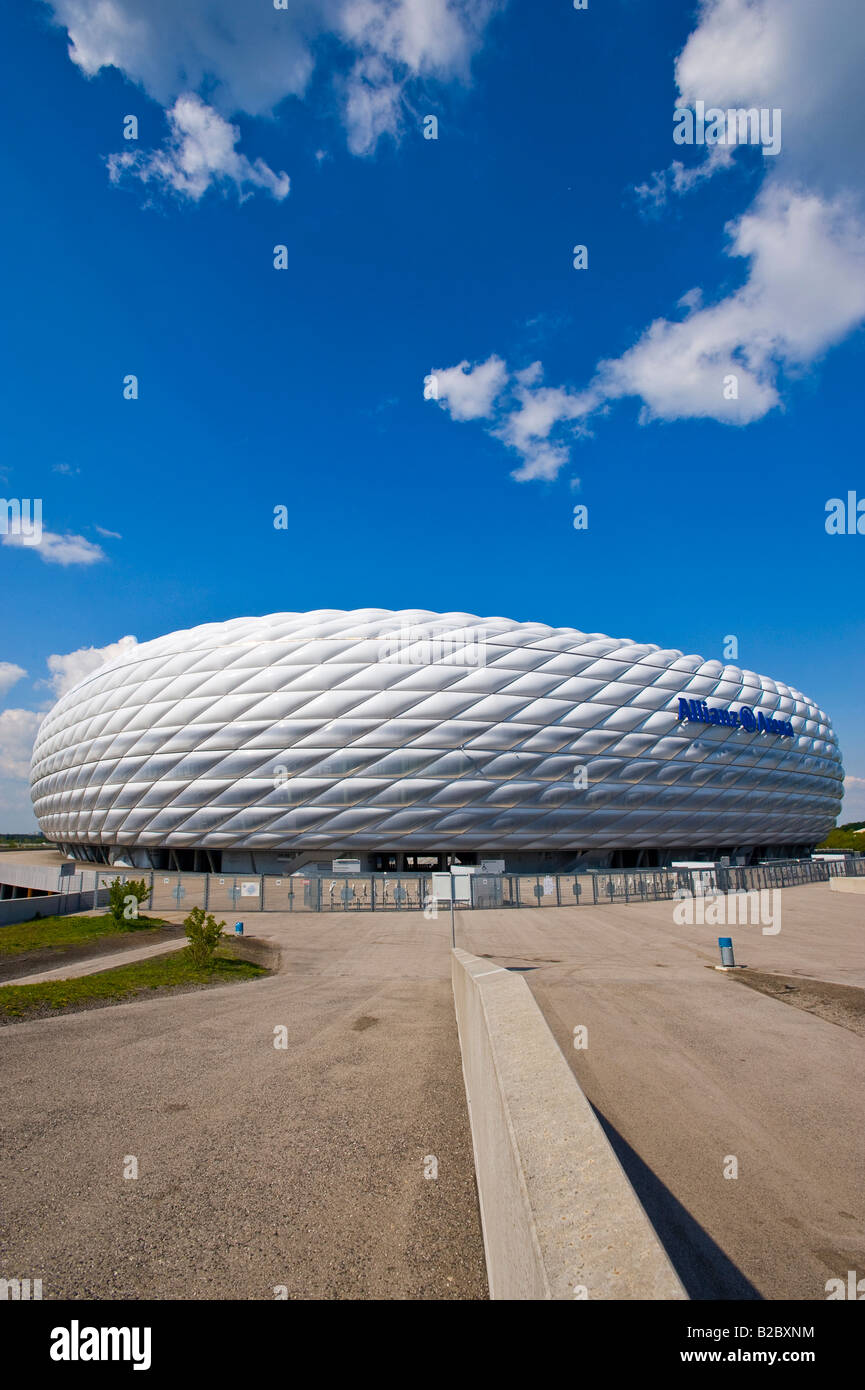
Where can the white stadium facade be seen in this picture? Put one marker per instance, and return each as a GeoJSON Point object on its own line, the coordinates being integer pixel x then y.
{"type": "Point", "coordinates": [411, 740]}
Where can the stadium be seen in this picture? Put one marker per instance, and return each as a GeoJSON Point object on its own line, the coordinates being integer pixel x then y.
{"type": "Point", "coordinates": [409, 740]}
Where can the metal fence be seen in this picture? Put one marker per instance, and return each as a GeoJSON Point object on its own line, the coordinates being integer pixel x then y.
{"type": "Point", "coordinates": [626, 886]}
{"type": "Point", "coordinates": [246, 894]}
{"type": "Point", "coordinates": [252, 893]}
{"type": "Point", "coordinates": [786, 875]}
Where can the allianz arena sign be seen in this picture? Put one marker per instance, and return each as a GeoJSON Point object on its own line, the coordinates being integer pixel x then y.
{"type": "Point", "coordinates": [698, 712]}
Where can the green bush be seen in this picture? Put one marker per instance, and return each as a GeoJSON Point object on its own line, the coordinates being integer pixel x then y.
{"type": "Point", "coordinates": [203, 933]}
{"type": "Point", "coordinates": [124, 899]}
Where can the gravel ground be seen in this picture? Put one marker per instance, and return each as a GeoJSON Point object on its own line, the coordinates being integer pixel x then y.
{"type": "Point", "coordinates": [259, 1168]}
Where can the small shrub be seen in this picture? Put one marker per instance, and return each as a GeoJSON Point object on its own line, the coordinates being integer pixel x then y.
{"type": "Point", "coordinates": [203, 933]}
{"type": "Point", "coordinates": [124, 900]}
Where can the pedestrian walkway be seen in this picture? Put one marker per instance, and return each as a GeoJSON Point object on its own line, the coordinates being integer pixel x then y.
{"type": "Point", "coordinates": [93, 964]}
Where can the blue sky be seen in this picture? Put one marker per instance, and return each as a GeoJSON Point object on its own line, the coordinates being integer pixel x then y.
{"type": "Point", "coordinates": [408, 257]}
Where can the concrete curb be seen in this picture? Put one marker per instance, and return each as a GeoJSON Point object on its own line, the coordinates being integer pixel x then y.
{"type": "Point", "coordinates": [847, 885]}
{"type": "Point", "coordinates": [560, 1219]}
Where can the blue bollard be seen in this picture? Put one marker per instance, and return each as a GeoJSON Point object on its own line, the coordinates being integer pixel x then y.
{"type": "Point", "coordinates": [238, 929]}
{"type": "Point", "coordinates": [726, 945]}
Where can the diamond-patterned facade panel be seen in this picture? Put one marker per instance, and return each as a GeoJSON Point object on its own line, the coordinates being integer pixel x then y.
{"type": "Point", "coordinates": [379, 730]}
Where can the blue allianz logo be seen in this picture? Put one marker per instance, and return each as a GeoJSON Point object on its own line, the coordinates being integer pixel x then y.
{"type": "Point", "coordinates": [698, 712]}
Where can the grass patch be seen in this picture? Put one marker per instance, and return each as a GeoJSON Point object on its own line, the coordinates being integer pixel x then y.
{"type": "Point", "coordinates": [61, 932]}
{"type": "Point", "coordinates": [173, 971]}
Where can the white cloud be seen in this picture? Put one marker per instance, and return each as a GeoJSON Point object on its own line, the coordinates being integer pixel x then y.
{"type": "Point", "coordinates": [802, 240]}
{"type": "Point", "coordinates": [372, 104]}
{"type": "Point", "coordinates": [199, 152]}
{"type": "Point", "coordinates": [396, 41]}
{"type": "Point", "coordinates": [248, 58]}
{"type": "Point", "coordinates": [805, 291]}
{"type": "Point", "coordinates": [853, 807]}
{"type": "Point", "coordinates": [18, 728]}
{"type": "Point", "coordinates": [60, 550]}
{"type": "Point", "coordinates": [67, 670]}
{"type": "Point", "coordinates": [527, 428]}
{"type": "Point", "coordinates": [523, 412]}
{"type": "Point", "coordinates": [435, 36]}
{"type": "Point", "coordinates": [680, 178]}
{"type": "Point", "coordinates": [803, 236]}
{"type": "Point", "coordinates": [10, 674]}
{"type": "Point", "coordinates": [112, 535]}
{"type": "Point", "coordinates": [468, 393]}
{"type": "Point", "coordinates": [17, 731]}
{"type": "Point", "coordinates": [802, 59]}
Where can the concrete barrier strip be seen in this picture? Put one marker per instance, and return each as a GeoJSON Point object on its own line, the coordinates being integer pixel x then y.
{"type": "Point", "coordinates": [560, 1218]}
